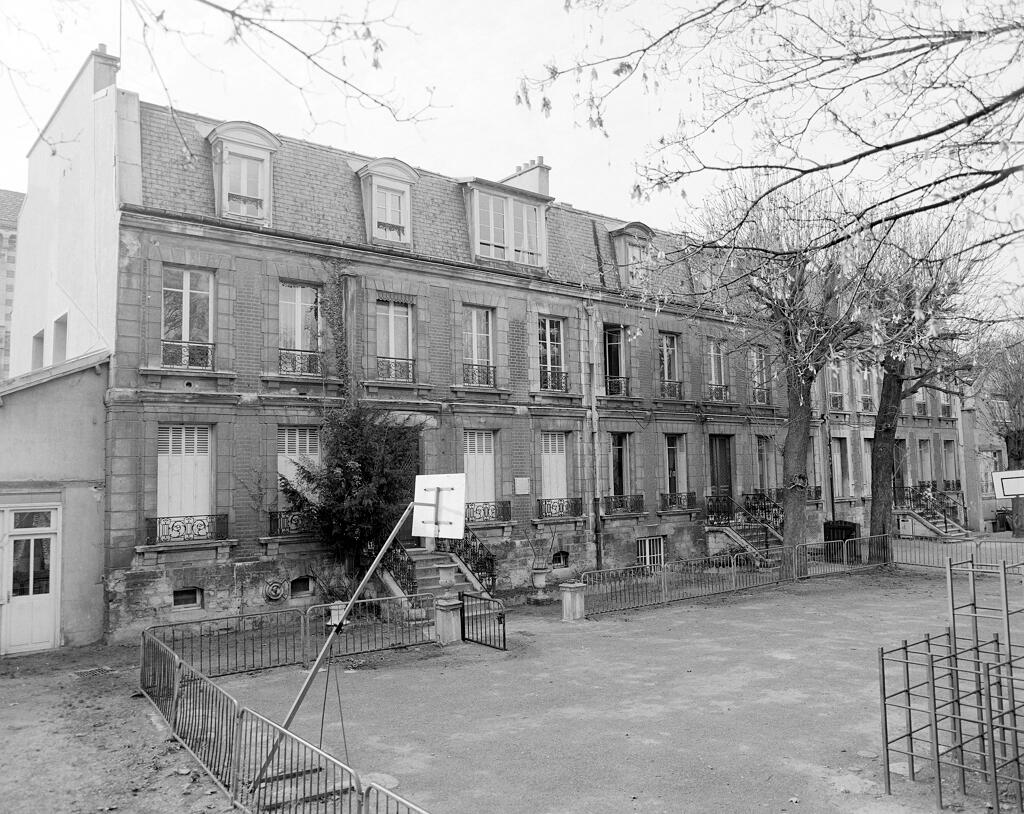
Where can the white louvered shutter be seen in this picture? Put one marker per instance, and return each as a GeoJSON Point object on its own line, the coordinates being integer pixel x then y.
{"type": "Point", "coordinates": [552, 465]}
{"type": "Point", "coordinates": [295, 444]}
{"type": "Point", "coordinates": [184, 471]}
{"type": "Point", "coordinates": [479, 460]}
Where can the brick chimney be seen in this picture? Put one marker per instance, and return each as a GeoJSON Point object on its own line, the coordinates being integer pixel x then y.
{"type": "Point", "coordinates": [531, 176]}
{"type": "Point", "coordinates": [104, 68]}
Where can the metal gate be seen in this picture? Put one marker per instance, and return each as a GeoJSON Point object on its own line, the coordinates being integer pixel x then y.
{"type": "Point", "coordinates": [483, 620]}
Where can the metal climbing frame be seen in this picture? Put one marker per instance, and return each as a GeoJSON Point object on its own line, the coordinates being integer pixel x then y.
{"type": "Point", "coordinates": [953, 703]}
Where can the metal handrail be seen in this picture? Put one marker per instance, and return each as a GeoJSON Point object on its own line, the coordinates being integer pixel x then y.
{"type": "Point", "coordinates": [470, 549]}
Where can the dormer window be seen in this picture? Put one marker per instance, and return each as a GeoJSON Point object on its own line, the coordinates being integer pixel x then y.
{"type": "Point", "coordinates": [632, 244]}
{"type": "Point", "coordinates": [387, 190]}
{"type": "Point", "coordinates": [243, 171]}
{"type": "Point", "coordinates": [508, 228]}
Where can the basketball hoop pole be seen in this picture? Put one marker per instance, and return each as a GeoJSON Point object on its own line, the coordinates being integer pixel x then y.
{"type": "Point", "coordinates": [326, 649]}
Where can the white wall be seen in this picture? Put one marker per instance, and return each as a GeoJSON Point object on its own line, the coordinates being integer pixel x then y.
{"type": "Point", "coordinates": [67, 232]}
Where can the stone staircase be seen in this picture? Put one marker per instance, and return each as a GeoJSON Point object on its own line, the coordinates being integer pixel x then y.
{"type": "Point", "coordinates": [946, 530]}
{"type": "Point", "coordinates": [427, 579]}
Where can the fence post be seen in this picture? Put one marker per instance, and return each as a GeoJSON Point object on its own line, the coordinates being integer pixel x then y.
{"type": "Point", "coordinates": [664, 589]}
{"type": "Point", "coordinates": [448, 619]}
{"type": "Point", "coordinates": [235, 785]}
{"type": "Point", "coordinates": [172, 718]}
{"type": "Point", "coordinates": [732, 561]}
{"type": "Point", "coordinates": [304, 632]}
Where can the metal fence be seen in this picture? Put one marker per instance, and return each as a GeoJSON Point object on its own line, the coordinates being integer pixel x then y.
{"type": "Point", "coordinates": [260, 765]}
{"type": "Point", "coordinates": [642, 585]}
{"type": "Point", "coordinates": [237, 644]}
{"type": "Point", "coordinates": [932, 553]}
{"type": "Point", "coordinates": [373, 624]}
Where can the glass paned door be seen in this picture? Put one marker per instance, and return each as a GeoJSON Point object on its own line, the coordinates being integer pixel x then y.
{"type": "Point", "coordinates": [29, 612]}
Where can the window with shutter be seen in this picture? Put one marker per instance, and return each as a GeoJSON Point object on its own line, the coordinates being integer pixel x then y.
{"type": "Point", "coordinates": [295, 444]}
{"type": "Point", "coordinates": [184, 470]}
{"type": "Point", "coordinates": [479, 465]}
{"type": "Point", "coordinates": [554, 483]}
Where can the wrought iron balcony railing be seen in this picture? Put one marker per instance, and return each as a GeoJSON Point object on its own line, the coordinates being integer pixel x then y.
{"type": "Point", "coordinates": [187, 354]}
{"type": "Point", "coordinates": [946, 410]}
{"type": "Point", "coordinates": [951, 485]}
{"type": "Point", "coordinates": [616, 385]}
{"type": "Point", "coordinates": [494, 511]}
{"type": "Point", "coordinates": [719, 509]}
{"type": "Point", "coordinates": [478, 375]}
{"type": "Point", "coordinates": [814, 492]}
{"type": "Point", "coordinates": [761, 395]}
{"type": "Point", "coordinates": [928, 484]}
{"type": "Point", "coordinates": [670, 389]}
{"type": "Point", "coordinates": [560, 507]}
{"type": "Point", "coordinates": [399, 370]}
{"type": "Point", "coordinates": [291, 522]}
{"type": "Point", "coordinates": [294, 360]}
{"type": "Point", "coordinates": [867, 404]}
{"type": "Point", "coordinates": [622, 504]}
{"type": "Point", "coordinates": [678, 500]}
{"type": "Point", "coordinates": [836, 401]}
{"type": "Point", "coordinates": [186, 528]}
{"type": "Point", "coordinates": [551, 379]}
{"type": "Point", "coordinates": [717, 392]}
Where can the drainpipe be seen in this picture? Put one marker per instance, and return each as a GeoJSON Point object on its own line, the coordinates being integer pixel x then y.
{"type": "Point", "coordinates": [587, 372]}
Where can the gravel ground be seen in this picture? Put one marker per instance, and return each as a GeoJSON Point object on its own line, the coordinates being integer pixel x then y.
{"type": "Point", "coordinates": [764, 701]}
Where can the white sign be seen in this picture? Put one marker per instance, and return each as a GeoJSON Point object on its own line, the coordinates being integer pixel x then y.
{"type": "Point", "coordinates": [1009, 484]}
{"type": "Point", "coordinates": [439, 508]}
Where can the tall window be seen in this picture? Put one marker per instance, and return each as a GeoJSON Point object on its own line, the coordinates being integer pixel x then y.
{"type": "Point", "coordinates": [868, 446]}
{"type": "Point", "coordinates": [717, 375]}
{"type": "Point", "coordinates": [184, 471]}
{"type": "Point", "coordinates": [924, 460]}
{"type": "Point", "coordinates": [841, 467]}
{"type": "Point", "coordinates": [554, 483]}
{"type": "Point", "coordinates": [760, 375]}
{"type": "Point", "coordinates": [668, 366]}
{"type": "Point", "coordinates": [389, 213]}
{"type": "Point", "coordinates": [866, 376]}
{"type": "Point", "coordinates": [299, 321]}
{"type": "Point", "coordinates": [245, 186]}
{"type": "Point", "coordinates": [526, 228]}
{"type": "Point", "coordinates": [552, 355]}
{"type": "Point", "coordinates": [765, 470]}
{"type": "Point", "coordinates": [476, 347]}
{"type": "Point", "coordinates": [945, 402]}
{"type": "Point", "coordinates": [675, 464]}
{"type": "Point", "coordinates": [836, 390]}
{"type": "Point", "coordinates": [949, 468]}
{"type": "Point", "coordinates": [491, 225]}
{"type": "Point", "coordinates": [187, 301]}
{"type": "Point", "coordinates": [920, 397]}
{"type": "Point", "coordinates": [295, 445]}
{"type": "Point", "coordinates": [394, 340]}
{"type": "Point", "coordinates": [615, 380]}
{"type": "Point", "coordinates": [619, 463]}
{"type": "Point", "coordinates": [478, 453]}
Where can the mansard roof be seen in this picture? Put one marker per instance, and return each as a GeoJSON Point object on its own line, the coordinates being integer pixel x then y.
{"type": "Point", "coordinates": [317, 192]}
{"type": "Point", "coordinates": [10, 205]}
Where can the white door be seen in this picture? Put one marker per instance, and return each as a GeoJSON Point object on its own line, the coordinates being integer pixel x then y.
{"type": "Point", "coordinates": [552, 465]}
{"type": "Point", "coordinates": [184, 470]}
{"type": "Point", "coordinates": [479, 459]}
{"type": "Point", "coordinates": [30, 565]}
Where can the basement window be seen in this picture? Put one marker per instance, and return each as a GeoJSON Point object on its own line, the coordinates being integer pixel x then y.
{"type": "Point", "coordinates": [560, 559]}
{"type": "Point", "coordinates": [188, 598]}
{"type": "Point", "coordinates": [301, 586]}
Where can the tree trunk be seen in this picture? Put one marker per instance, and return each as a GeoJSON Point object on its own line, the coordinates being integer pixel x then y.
{"type": "Point", "coordinates": [883, 449]}
{"type": "Point", "coordinates": [1015, 460]}
{"type": "Point", "coordinates": [794, 472]}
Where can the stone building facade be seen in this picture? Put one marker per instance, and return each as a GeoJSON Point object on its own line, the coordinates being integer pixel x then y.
{"type": "Point", "coordinates": [595, 429]}
{"type": "Point", "coordinates": [10, 204]}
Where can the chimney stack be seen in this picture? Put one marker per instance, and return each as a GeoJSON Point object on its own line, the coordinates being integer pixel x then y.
{"type": "Point", "coordinates": [531, 176]}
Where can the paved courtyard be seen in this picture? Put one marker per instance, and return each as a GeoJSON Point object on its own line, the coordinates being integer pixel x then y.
{"type": "Point", "coordinates": [764, 701]}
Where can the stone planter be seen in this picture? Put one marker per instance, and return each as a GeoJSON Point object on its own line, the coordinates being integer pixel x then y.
{"type": "Point", "coordinates": [540, 578]}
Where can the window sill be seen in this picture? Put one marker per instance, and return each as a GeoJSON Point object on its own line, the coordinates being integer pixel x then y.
{"type": "Point", "coordinates": [373, 385]}
{"type": "Point", "coordinates": [504, 525]}
{"type": "Point", "coordinates": [577, 520]}
{"type": "Point", "coordinates": [188, 372]}
{"type": "Point", "coordinates": [481, 391]}
{"type": "Point", "coordinates": [377, 240]}
{"type": "Point", "coordinates": [668, 402]}
{"type": "Point", "coordinates": [623, 515]}
{"type": "Point", "coordinates": [157, 553]}
{"type": "Point", "coordinates": [626, 401]}
{"type": "Point", "coordinates": [232, 217]}
{"type": "Point", "coordinates": [677, 512]}
{"type": "Point", "coordinates": [555, 397]}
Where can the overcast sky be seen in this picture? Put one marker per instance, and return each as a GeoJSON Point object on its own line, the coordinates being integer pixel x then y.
{"type": "Point", "coordinates": [471, 52]}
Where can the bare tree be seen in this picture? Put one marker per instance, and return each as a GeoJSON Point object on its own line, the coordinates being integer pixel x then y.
{"type": "Point", "coordinates": [1002, 397]}
{"type": "Point", "coordinates": [922, 103]}
{"type": "Point", "coordinates": [810, 301]}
